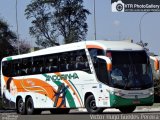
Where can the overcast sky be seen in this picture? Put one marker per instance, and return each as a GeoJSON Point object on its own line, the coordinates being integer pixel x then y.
{"type": "Point", "coordinates": [110, 26]}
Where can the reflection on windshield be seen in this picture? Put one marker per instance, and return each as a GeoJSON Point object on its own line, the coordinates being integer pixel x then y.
{"type": "Point", "coordinates": [131, 76]}
{"type": "Point", "coordinates": [131, 70]}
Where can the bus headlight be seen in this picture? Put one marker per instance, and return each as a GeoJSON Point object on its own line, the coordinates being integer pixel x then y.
{"type": "Point", "coordinates": [151, 91]}
{"type": "Point", "coordinates": [118, 94]}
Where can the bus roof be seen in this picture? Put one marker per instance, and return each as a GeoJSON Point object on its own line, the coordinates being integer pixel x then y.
{"type": "Point", "coordinates": [115, 45]}
{"type": "Point", "coordinates": [101, 44]}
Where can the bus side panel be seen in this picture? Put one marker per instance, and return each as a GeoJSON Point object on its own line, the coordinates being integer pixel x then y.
{"type": "Point", "coordinates": [8, 94]}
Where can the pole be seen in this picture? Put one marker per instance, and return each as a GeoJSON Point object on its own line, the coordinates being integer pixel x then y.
{"type": "Point", "coordinates": [95, 34]}
{"type": "Point", "coordinates": [140, 31]}
{"type": "Point", "coordinates": [17, 26]}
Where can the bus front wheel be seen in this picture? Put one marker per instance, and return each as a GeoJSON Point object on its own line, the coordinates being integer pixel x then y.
{"type": "Point", "coordinates": [127, 109]}
{"type": "Point", "coordinates": [91, 107]}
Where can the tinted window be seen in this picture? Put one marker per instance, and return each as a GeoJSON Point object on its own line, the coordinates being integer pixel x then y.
{"type": "Point", "coordinates": [128, 57]}
{"type": "Point", "coordinates": [59, 62]}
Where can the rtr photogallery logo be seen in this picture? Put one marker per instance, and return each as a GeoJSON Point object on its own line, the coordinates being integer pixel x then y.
{"type": "Point", "coordinates": [118, 6]}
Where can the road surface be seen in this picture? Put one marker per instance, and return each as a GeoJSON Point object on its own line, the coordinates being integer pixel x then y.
{"type": "Point", "coordinates": [83, 115]}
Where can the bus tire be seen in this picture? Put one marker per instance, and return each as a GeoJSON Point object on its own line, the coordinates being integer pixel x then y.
{"type": "Point", "coordinates": [29, 106]}
{"type": "Point", "coordinates": [90, 105]}
{"type": "Point", "coordinates": [127, 109]}
{"type": "Point", "coordinates": [60, 111]}
{"type": "Point", "coordinates": [21, 107]}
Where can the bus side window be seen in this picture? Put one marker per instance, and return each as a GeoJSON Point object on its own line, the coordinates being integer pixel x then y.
{"type": "Point", "coordinates": [82, 61]}
{"type": "Point", "coordinates": [37, 67]}
{"type": "Point", "coordinates": [37, 63]}
{"type": "Point", "coordinates": [41, 65]}
{"type": "Point", "coordinates": [9, 69]}
{"type": "Point", "coordinates": [24, 67]}
{"type": "Point", "coordinates": [18, 69]}
{"type": "Point", "coordinates": [99, 64]}
{"type": "Point", "coordinates": [71, 64]}
{"type": "Point", "coordinates": [47, 63]}
{"type": "Point", "coordinates": [15, 67]}
{"type": "Point", "coordinates": [63, 62]}
{"type": "Point", "coordinates": [101, 70]}
{"type": "Point", "coordinates": [54, 64]}
{"type": "Point", "coordinates": [5, 68]}
{"type": "Point", "coordinates": [29, 67]}
{"type": "Point", "coordinates": [50, 64]}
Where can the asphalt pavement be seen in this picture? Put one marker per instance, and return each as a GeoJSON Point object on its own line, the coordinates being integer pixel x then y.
{"type": "Point", "coordinates": [141, 113]}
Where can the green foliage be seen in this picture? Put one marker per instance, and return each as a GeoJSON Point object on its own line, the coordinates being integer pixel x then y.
{"type": "Point", "coordinates": [7, 39]}
{"type": "Point", "coordinates": [24, 47]}
{"type": "Point", "coordinates": [53, 19]}
{"type": "Point", "coordinates": [71, 19]}
{"type": "Point", "coordinates": [43, 26]}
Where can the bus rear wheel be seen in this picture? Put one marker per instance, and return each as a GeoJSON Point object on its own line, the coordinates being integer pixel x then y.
{"type": "Point", "coordinates": [91, 107]}
{"type": "Point", "coordinates": [127, 109]}
{"type": "Point", "coordinates": [21, 107]}
{"type": "Point", "coordinates": [29, 106]}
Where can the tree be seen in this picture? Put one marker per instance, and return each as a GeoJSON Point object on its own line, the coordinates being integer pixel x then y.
{"type": "Point", "coordinates": [24, 46]}
{"type": "Point", "coordinates": [57, 18]}
{"type": "Point", "coordinates": [7, 39]}
{"type": "Point", "coordinates": [43, 26]}
{"type": "Point", "coordinates": [70, 17]}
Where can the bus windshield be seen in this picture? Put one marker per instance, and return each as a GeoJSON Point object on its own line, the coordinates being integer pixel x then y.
{"type": "Point", "coordinates": [130, 70]}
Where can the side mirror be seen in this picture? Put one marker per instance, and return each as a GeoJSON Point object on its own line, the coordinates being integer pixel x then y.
{"type": "Point", "coordinates": [156, 64]}
{"type": "Point", "coordinates": [108, 62]}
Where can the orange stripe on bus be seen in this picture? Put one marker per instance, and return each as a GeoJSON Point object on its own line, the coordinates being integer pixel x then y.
{"type": "Point", "coordinates": [34, 85]}
{"type": "Point", "coordinates": [156, 64]}
{"type": "Point", "coordinates": [28, 85]}
{"type": "Point", "coordinates": [94, 46]}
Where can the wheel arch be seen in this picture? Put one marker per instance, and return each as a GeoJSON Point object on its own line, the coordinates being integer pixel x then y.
{"type": "Point", "coordinates": [87, 94]}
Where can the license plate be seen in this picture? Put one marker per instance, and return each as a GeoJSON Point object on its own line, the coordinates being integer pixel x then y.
{"type": "Point", "coordinates": [136, 102]}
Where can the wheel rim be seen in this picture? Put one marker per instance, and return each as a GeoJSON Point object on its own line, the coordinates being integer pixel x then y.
{"type": "Point", "coordinates": [30, 106]}
{"type": "Point", "coordinates": [20, 106]}
{"type": "Point", "coordinates": [93, 105]}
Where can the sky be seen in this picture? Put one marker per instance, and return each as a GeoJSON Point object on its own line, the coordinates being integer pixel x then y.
{"type": "Point", "coordinates": [109, 25]}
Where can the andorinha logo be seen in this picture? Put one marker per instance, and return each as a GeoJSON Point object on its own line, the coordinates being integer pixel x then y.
{"type": "Point", "coordinates": [61, 77]}
{"type": "Point", "coordinates": [135, 5]}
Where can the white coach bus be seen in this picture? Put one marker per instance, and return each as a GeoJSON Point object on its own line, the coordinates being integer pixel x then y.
{"type": "Point", "coordinates": [92, 74]}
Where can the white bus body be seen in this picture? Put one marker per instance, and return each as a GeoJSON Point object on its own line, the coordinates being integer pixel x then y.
{"type": "Point", "coordinates": [84, 74]}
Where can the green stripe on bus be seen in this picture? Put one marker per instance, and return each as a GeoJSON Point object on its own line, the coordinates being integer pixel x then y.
{"type": "Point", "coordinates": [117, 101]}
{"type": "Point", "coordinates": [69, 97]}
{"type": "Point", "coordinates": [9, 58]}
{"type": "Point", "coordinates": [76, 90]}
